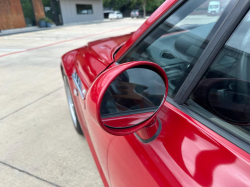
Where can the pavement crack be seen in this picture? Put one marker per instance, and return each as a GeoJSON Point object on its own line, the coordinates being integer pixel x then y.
{"type": "Point", "coordinates": [27, 173]}
{"type": "Point", "coordinates": [31, 103]}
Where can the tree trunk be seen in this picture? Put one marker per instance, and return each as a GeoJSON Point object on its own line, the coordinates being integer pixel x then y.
{"type": "Point", "coordinates": [144, 8]}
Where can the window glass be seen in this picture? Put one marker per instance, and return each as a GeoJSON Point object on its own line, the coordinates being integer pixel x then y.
{"type": "Point", "coordinates": [84, 9]}
{"type": "Point", "coordinates": [178, 42]}
{"type": "Point", "coordinates": [223, 94]}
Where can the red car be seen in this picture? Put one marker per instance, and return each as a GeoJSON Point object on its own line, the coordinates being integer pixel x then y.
{"type": "Point", "coordinates": [168, 105]}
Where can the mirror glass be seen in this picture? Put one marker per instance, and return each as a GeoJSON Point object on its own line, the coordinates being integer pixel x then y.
{"type": "Point", "coordinates": [137, 92]}
{"type": "Point", "coordinates": [230, 99]}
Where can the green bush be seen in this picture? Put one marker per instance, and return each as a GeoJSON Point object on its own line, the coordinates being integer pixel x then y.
{"type": "Point", "coordinates": [42, 19]}
{"type": "Point", "coordinates": [49, 20]}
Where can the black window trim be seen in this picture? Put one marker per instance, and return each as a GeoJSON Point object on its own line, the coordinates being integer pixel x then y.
{"type": "Point", "coordinates": [87, 13]}
{"type": "Point", "coordinates": [217, 42]}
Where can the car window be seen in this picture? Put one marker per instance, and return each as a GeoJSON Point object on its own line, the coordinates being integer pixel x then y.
{"type": "Point", "coordinates": [223, 94]}
{"type": "Point", "coordinates": [177, 43]}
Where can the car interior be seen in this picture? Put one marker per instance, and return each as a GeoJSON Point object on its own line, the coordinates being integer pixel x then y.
{"type": "Point", "coordinates": [177, 43]}
{"type": "Point", "coordinates": [176, 48]}
{"type": "Point", "coordinates": [175, 51]}
{"type": "Point", "coordinates": [229, 96]}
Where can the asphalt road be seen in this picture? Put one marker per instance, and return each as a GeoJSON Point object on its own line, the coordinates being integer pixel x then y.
{"type": "Point", "coordinates": [38, 144]}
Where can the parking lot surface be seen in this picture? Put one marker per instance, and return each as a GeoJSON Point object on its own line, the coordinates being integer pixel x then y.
{"type": "Point", "coordinates": [38, 144]}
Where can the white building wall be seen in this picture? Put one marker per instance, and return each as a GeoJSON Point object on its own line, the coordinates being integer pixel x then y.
{"type": "Point", "coordinates": [69, 14]}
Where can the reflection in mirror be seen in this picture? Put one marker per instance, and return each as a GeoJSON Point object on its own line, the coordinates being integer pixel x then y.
{"type": "Point", "coordinates": [135, 91]}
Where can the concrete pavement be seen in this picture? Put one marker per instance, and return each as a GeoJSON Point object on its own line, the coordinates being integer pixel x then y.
{"type": "Point", "coordinates": [39, 146]}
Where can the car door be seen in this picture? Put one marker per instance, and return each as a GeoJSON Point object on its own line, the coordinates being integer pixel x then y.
{"type": "Point", "coordinates": [198, 144]}
{"type": "Point", "coordinates": [186, 151]}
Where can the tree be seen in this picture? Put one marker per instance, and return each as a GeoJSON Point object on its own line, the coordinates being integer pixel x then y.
{"type": "Point", "coordinates": [27, 9]}
{"type": "Point", "coordinates": [145, 5]}
{"type": "Point", "coordinates": [115, 4]}
{"type": "Point", "coordinates": [148, 5]}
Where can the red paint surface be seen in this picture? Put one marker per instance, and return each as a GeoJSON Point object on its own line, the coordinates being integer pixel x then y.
{"type": "Point", "coordinates": [186, 153]}
{"type": "Point", "coordinates": [125, 121]}
{"type": "Point", "coordinates": [92, 59]}
{"type": "Point", "coordinates": [69, 62]}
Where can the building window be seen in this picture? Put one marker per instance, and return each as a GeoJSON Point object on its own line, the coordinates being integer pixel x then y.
{"type": "Point", "coordinates": [84, 9]}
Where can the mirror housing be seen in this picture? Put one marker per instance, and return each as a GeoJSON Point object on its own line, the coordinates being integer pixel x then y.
{"type": "Point", "coordinates": [96, 93]}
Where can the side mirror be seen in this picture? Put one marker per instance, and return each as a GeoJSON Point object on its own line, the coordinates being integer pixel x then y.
{"type": "Point", "coordinates": [128, 97]}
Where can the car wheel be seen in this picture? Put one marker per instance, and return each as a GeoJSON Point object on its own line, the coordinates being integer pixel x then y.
{"type": "Point", "coordinates": [72, 107]}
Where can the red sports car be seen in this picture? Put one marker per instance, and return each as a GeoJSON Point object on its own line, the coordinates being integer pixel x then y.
{"type": "Point", "coordinates": [168, 105]}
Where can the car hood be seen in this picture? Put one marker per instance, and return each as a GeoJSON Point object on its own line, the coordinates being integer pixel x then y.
{"type": "Point", "coordinates": [94, 58]}
{"type": "Point", "coordinates": [104, 49]}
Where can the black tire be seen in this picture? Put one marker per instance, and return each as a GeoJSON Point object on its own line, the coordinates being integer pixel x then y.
{"type": "Point", "coordinates": [71, 105]}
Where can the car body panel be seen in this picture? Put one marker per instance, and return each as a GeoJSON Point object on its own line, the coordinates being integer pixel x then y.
{"type": "Point", "coordinates": [186, 152]}
{"type": "Point", "coordinates": [93, 58]}
{"type": "Point", "coordinates": [90, 129]}
{"type": "Point", "coordinates": [68, 62]}
{"type": "Point", "coordinates": [88, 62]}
